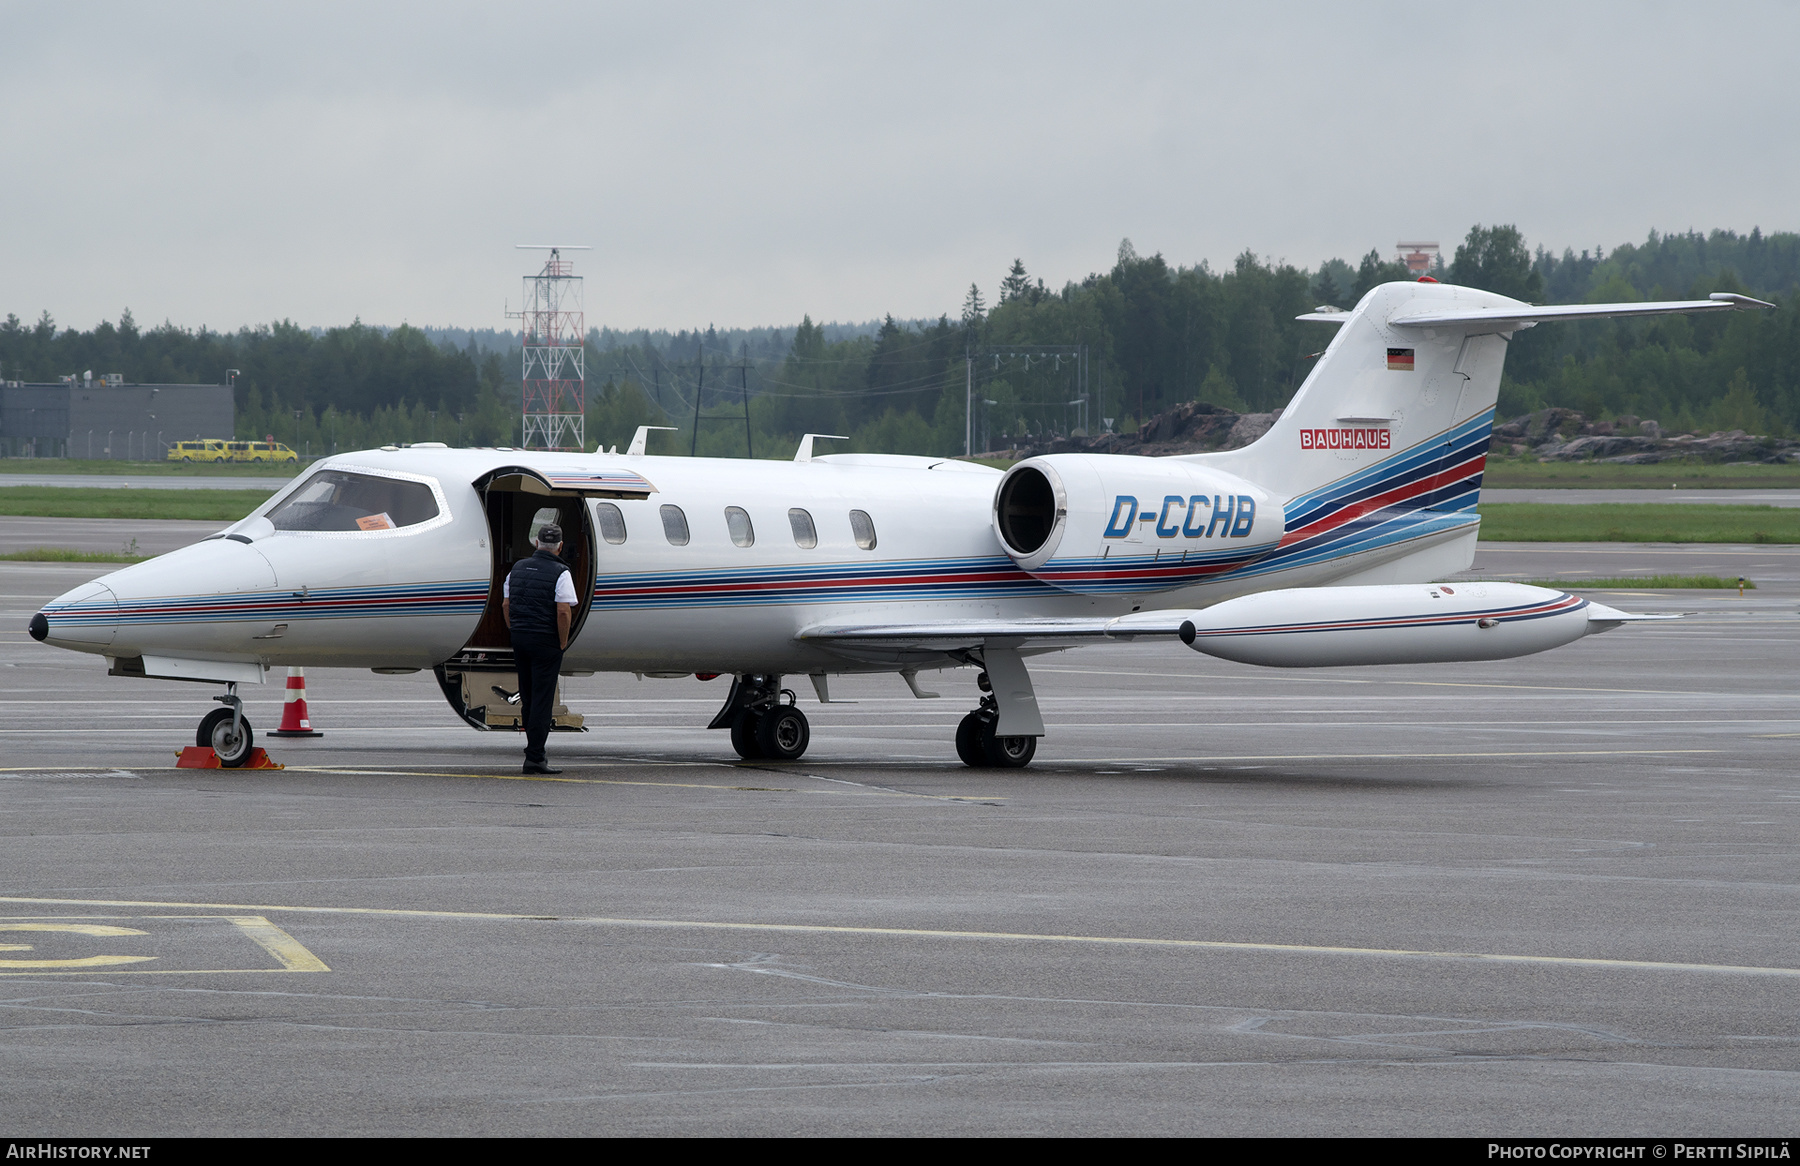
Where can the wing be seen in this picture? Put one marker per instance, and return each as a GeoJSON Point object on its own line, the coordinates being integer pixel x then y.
{"type": "Point", "coordinates": [915, 642]}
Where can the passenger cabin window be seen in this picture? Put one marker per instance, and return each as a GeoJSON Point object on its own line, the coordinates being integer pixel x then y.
{"type": "Point", "coordinates": [612, 523]}
{"type": "Point", "coordinates": [737, 521]}
{"type": "Point", "coordinates": [340, 500]}
{"type": "Point", "coordinates": [863, 527]}
{"type": "Point", "coordinates": [675, 526]}
{"type": "Point", "coordinates": [806, 536]}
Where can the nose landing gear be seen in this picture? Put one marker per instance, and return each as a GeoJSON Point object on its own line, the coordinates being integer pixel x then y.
{"type": "Point", "coordinates": [980, 746]}
{"type": "Point", "coordinates": [765, 721]}
{"type": "Point", "coordinates": [227, 730]}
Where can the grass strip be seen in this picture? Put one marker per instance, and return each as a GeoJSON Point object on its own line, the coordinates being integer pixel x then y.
{"type": "Point", "coordinates": [114, 468]}
{"type": "Point", "coordinates": [1637, 522]}
{"type": "Point", "coordinates": [93, 502]}
{"type": "Point", "coordinates": [1642, 583]}
{"type": "Point", "coordinates": [65, 555]}
{"type": "Point", "coordinates": [1507, 474]}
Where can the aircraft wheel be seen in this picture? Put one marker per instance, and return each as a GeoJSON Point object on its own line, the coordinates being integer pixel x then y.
{"type": "Point", "coordinates": [233, 748]}
{"type": "Point", "coordinates": [1006, 752]}
{"type": "Point", "coordinates": [968, 741]}
{"type": "Point", "coordinates": [743, 736]}
{"type": "Point", "coordinates": [782, 733]}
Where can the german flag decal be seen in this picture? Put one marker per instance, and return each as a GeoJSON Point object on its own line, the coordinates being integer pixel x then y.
{"type": "Point", "coordinates": [1400, 360]}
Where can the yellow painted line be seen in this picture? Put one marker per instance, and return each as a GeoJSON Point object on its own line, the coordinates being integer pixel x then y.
{"type": "Point", "coordinates": [89, 929]}
{"type": "Point", "coordinates": [76, 928]}
{"type": "Point", "coordinates": [288, 951]}
{"type": "Point", "coordinates": [280, 944]}
{"type": "Point", "coordinates": [92, 961]}
{"type": "Point", "coordinates": [934, 933]}
{"type": "Point", "coordinates": [158, 972]}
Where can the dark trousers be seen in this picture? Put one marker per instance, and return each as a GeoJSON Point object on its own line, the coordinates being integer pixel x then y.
{"type": "Point", "coordinates": [539, 659]}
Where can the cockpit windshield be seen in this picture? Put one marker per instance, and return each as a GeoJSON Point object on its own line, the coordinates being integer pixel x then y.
{"type": "Point", "coordinates": [340, 500]}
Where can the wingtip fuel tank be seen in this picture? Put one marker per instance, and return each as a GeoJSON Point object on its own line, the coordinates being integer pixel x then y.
{"type": "Point", "coordinates": [1420, 623]}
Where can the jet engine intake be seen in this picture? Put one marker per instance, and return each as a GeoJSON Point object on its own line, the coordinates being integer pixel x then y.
{"type": "Point", "coordinates": [1100, 524]}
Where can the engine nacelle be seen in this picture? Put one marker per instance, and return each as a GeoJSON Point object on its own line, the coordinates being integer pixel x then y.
{"type": "Point", "coordinates": [1102, 524]}
{"type": "Point", "coordinates": [1415, 623]}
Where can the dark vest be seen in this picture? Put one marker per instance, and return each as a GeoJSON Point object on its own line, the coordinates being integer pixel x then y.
{"type": "Point", "coordinates": [531, 591]}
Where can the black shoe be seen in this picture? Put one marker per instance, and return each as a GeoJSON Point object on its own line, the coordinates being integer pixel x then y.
{"type": "Point", "coordinates": [540, 767]}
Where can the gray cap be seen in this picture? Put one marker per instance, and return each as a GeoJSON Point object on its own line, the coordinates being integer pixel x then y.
{"type": "Point", "coordinates": [549, 535]}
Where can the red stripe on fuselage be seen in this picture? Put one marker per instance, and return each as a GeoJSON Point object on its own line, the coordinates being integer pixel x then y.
{"type": "Point", "coordinates": [1352, 511]}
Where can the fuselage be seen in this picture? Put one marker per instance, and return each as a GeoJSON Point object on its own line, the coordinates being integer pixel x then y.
{"type": "Point", "coordinates": [696, 589]}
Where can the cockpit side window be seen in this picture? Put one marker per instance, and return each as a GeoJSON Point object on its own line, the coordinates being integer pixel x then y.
{"type": "Point", "coordinates": [338, 500]}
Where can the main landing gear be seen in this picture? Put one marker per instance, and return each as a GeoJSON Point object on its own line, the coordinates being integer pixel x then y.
{"type": "Point", "coordinates": [980, 746]}
{"type": "Point", "coordinates": [765, 722]}
{"type": "Point", "coordinates": [227, 730]}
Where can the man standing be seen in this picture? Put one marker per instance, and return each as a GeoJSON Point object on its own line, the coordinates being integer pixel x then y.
{"type": "Point", "coordinates": [538, 600]}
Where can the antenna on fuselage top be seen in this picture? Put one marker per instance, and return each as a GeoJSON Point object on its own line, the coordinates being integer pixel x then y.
{"type": "Point", "coordinates": [804, 453]}
{"type": "Point", "coordinates": [636, 448]}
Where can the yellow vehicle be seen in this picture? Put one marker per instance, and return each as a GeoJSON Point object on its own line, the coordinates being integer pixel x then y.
{"type": "Point", "coordinates": [262, 451]}
{"type": "Point", "coordinates": [205, 450]}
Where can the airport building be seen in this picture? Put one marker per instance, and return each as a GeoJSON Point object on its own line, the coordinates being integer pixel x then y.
{"type": "Point", "coordinates": [87, 417]}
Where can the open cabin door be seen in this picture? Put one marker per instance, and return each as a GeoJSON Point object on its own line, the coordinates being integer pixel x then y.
{"type": "Point", "coordinates": [520, 501]}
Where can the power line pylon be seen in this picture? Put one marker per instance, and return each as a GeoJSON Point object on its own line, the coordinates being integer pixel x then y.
{"type": "Point", "coordinates": [553, 335]}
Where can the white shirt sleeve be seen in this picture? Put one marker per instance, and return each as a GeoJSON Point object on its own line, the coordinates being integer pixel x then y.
{"type": "Point", "coordinates": [565, 588]}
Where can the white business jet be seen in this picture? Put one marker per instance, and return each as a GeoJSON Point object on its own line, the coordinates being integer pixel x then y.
{"type": "Point", "coordinates": [1316, 545]}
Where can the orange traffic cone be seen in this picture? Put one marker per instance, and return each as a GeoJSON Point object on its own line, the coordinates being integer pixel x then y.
{"type": "Point", "coordinates": [294, 721]}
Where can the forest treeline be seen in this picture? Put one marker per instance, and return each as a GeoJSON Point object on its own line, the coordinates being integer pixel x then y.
{"type": "Point", "coordinates": [1114, 347]}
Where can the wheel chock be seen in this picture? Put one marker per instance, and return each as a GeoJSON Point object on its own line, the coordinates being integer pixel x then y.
{"type": "Point", "coordinates": [203, 757]}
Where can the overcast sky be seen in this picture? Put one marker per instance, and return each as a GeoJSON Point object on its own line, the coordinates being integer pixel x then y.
{"type": "Point", "coordinates": [742, 164]}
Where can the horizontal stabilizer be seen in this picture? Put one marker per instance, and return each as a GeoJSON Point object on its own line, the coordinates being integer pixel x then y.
{"type": "Point", "coordinates": [1525, 317]}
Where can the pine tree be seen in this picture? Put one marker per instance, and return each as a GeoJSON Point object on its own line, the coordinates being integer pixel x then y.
{"type": "Point", "coordinates": [973, 310]}
{"type": "Point", "coordinates": [1016, 283]}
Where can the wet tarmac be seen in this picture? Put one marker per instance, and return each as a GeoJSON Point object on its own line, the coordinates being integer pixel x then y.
{"type": "Point", "coordinates": [1557, 895]}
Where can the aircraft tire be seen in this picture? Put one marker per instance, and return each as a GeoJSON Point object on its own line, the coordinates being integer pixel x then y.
{"type": "Point", "coordinates": [783, 734]}
{"type": "Point", "coordinates": [968, 741]}
{"type": "Point", "coordinates": [743, 736]}
{"type": "Point", "coordinates": [1006, 752]}
{"type": "Point", "coordinates": [215, 730]}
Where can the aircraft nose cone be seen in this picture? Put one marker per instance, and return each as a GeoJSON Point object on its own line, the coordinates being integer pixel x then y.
{"type": "Point", "coordinates": [39, 627]}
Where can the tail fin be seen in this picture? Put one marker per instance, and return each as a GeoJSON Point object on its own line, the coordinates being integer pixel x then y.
{"type": "Point", "coordinates": [1390, 405]}
{"type": "Point", "coordinates": [1384, 446]}
{"type": "Point", "coordinates": [1411, 380]}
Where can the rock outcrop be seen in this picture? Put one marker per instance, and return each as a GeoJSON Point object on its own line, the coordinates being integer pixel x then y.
{"type": "Point", "coordinates": [1559, 435]}
{"type": "Point", "coordinates": [1564, 435]}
